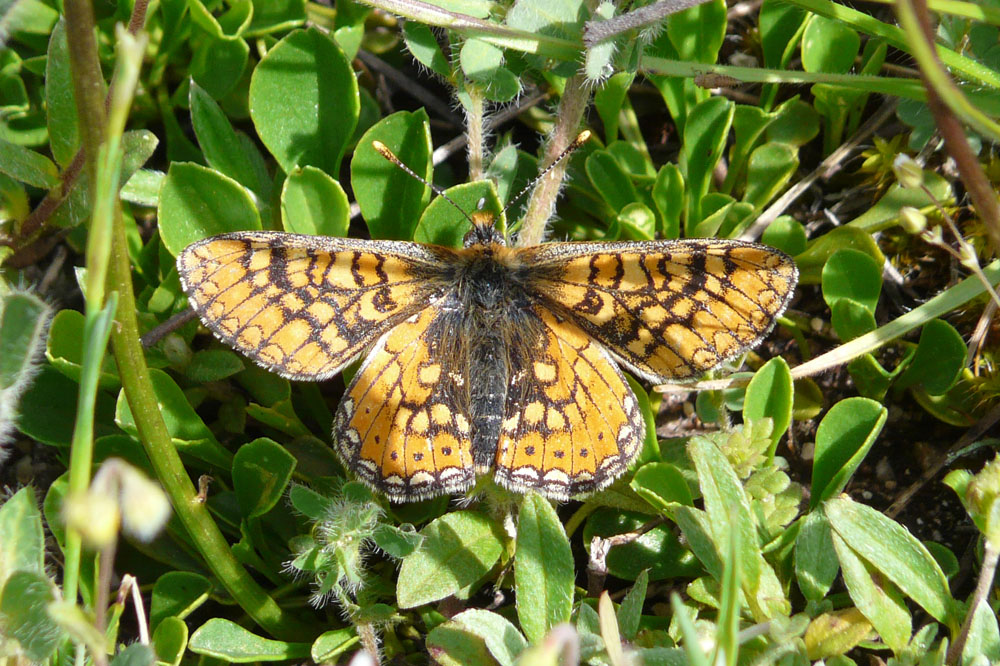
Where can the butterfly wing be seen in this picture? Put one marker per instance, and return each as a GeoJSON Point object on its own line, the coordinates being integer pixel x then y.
{"type": "Point", "coordinates": [304, 306]}
{"type": "Point", "coordinates": [668, 309]}
{"type": "Point", "coordinates": [403, 426]}
{"type": "Point", "coordinates": [572, 424]}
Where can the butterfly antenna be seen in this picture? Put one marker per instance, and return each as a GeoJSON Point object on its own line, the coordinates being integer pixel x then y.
{"type": "Point", "coordinates": [580, 139]}
{"type": "Point", "coordinates": [384, 151]}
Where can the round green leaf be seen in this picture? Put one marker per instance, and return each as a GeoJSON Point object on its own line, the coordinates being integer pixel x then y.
{"type": "Point", "coordinates": [610, 180]}
{"type": "Point", "coordinates": [218, 64]}
{"type": "Point", "coordinates": [314, 203]}
{"type": "Point", "coordinates": [226, 640]}
{"type": "Point", "coordinates": [458, 549]}
{"type": "Point", "coordinates": [843, 438]}
{"type": "Point", "coordinates": [939, 358]}
{"type": "Point", "coordinates": [444, 224]}
{"type": "Point", "coordinates": [543, 568]}
{"type": "Point", "coordinates": [851, 319]}
{"type": "Point", "coordinates": [657, 550]}
{"type": "Point", "coordinates": [769, 395]}
{"type": "Point", "coordinates": [304, 101]}
{"type": "Point", "coordinates": [829, 45]}
{"type": "Point", "coordinates": [786, 234]}
{"type": "Point", "coordinates": [854, 275]}
{"type": "Point", "coordinates": [392, 200]}
{"type": "Point", "coordinates": [177, 594]}
{"type": "Point", "coordinates": [768, 172]}
{"type": "Point", "coordinates": [261, 472]}
{"type": "Point", "coordinates": [197, 202]}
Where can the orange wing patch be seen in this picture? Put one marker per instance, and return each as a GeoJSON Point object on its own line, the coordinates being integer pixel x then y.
{"type": "Point", "coordinates": [670, 309]}
{"type": "Point", "coordinates": [402, 426]}
{"type": "Point", "coordinates": [572, 424]}
{"type": "Point", "coordinates": [303, 306]}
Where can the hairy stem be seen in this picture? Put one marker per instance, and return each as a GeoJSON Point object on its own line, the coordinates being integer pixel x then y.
{"type": "Point", "coordinates": [542, 203]}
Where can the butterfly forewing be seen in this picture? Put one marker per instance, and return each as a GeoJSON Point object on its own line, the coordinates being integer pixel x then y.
{"type": "Point", "coordinates": [668, 309]}
{"type": "Point", "coordinates": [572, 424]}
{"type": "Point", "coordinates": [304, 306]}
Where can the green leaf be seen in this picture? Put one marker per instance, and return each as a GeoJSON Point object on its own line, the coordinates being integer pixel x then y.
{"type": "Point", "coordinates": [704, 138]}
{"type": "Point", "coordinates": [610, 180]}
{"type": "Point", "coordinates": [543, 568]}
{"type": "Point", "coordinates": [451, 645]}
{"type": "Point", "coordinates": [769, 395]}
{"type": "Point", "coordinates": [854, 275]}
{"type": "Point", "coordinates": [23, 545]}
{"type": "Point", "coordinates": [224, 151]}
{"type": "Point", "coordinates": [27, 166]}
{"type": "Point", "coordinates": [60, 104]}
{"type": "Point", "coordinates": [770, 168]}
{"type": "Point", "coordinates": [391, 200]}
{"type": "Point", "coordinates": [304, 101]}
{"type": "Point", "coordinates": [829, 45]}
{"type": "Point", "coordinates": [223, 639]}
{"type": "Point", "coordinates": [728, 508]}
{"type": "Point", "coordinates": [443, 224]}
{"type": "Point", "coordinates": [875, 598]}
{"type": "Point", "coordinates": [843, 439]}
{"type": "Point", "coordinates": [24, 602]}
{"type": "Point", "coordinates": [502, 638]}
{"type": "Point", "coordinates": [212, 365]}
{"type": "Point", "coordinates": [217, 65]}
{"type": "Point", "coordinates": [668, 195]}
{"type": "Point", "coordinates": [698, 33]}
{"type": "Point", "coordinates": [261, 472]}
{"type": "Point", "coordinates": [458, 549]}
{"type": "Point", "coordinates": [23, 320]}
{"type": "Point", "coordinates": [187, 431]}
{"type": "Point", "coordinates": [608, 101]}
{"type": "Point", "coordinates": [816, 563]}
{"type": "Point", "coordinates": [890, 549]}
{"type": "Point", "coordinates": [812, 261]}
{"type": "Point", "coordinates": [984, 635]}
{"type": "Point", "coordinates": [662, 485]}
{"type": "Point", "coordinates": [851, 319]}
{"type": "Point", "coordinates": [48, 407]}
{"type": "Point", "coordinates": [314, 203]}
{"type": "Point", "coordinates": [170, 640]}
{"type": "Point", "coordinates": [331, 644]}
{"type": "Point", "coordinates": [177, 594]}
{"type": "Point", "coordinates": [630, 612]}
{"type": "Point", "coordinates": [197, 202]}
{"type": "Point", "coordinates": [938, 361]}
{"type": "Point", "coordinates": [65, 350]}
{"type": "Point", "coordinates": [396, 542]}
{"type": "Point", "coordinates": [271, 16]}
{"type": "Point", "coordinates": [425, 48]}
{"type": "Point", "coordinates": [657, 550]}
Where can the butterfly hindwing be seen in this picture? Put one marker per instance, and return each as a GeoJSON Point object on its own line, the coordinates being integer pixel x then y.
{"type": "Point", "coordinates": [303, 306]}
{"type": "Point", "coordinates": [668, 309]}
{"type": "Point", "coordinates": [571, 424]}
{"type": "Point", "coordinates": [402, 426]}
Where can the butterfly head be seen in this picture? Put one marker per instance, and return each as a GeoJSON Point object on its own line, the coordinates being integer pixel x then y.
{"type": "Point", "coordinates": [483, 231]}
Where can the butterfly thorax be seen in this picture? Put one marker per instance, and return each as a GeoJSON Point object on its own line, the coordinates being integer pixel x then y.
{"type": "Point", "coordinates": [485, 316]}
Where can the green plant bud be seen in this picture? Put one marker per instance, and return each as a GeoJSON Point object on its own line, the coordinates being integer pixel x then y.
{"type": "Point", "coordinates": [908, 173]}
{"type": "Point", "coordinates": [145, 507]}
{"type": "Point", "coordinates": [95, 515]}
{"type": "Point", "coordinates": [912, 220]}
{"type": "Point", "coordinates": [177, 351]}
{"type": "Point", "coordinates": [967, 255]}
{"type": "Point", "coordinates": [982, 498]}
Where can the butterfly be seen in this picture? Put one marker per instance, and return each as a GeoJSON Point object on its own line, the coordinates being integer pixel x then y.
{"type": "Point", "coordinates": [488, 357]}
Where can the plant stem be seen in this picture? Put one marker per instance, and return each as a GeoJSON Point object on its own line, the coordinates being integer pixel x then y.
{"type": "Point", "coordinates": [170, 472]}
{"type": "Point", "coordinates": [983, 586]}
{"type": "Point", "coordinates": [542, 203]}
{"type": "Point", "coordinates": [945, 100]}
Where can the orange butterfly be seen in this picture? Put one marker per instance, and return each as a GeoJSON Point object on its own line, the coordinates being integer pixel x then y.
{"type": "Point", "coordinates": [487, 357]}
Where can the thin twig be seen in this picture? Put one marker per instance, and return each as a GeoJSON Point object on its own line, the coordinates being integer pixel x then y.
{"type": "Point", "coordinates": [983, 587]}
